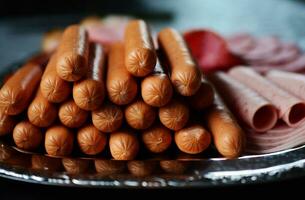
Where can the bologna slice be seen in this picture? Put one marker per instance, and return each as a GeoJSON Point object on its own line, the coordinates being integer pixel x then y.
{"type": "Point", "coordinates": [255, 110]}
{"type": "Point", "coordinates": [292, 82]}
{"type": "Point", "coordinates": [291, 109]}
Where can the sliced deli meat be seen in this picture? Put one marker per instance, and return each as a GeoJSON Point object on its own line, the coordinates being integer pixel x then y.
{"type": "Point", "coordinates": [253, 109]}
{"type": "Point", "coordinates": [241, 43]}
{"type": "Point", "coordinates": [292, 82]}
{"type": "Point", "coordinates": [291, 108]}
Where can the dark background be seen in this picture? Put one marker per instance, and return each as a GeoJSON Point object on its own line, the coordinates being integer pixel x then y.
{"type": "Point", "coordinates": [23, 22]}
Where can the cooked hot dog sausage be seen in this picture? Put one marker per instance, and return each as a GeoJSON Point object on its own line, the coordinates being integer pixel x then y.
{"type": "Point", "coordinates": [140, 54]}
{"type": "Point", "coordinates": [121, 86]}
{"type": "Point", "coordinates": [90, 140]}
{"type": "Point", "coordinates": [108, 118]}
{"type": "Point", "coordinates": [203, 98]}
{"type": "Point", "coordinates": [108, 167]}
{"type": "Point", "coordinates": [89, 93]}
{"type": "Point", "coordinates": [174, 115]}
{"type": "Point", "coordinates": [72, 54]}
{"type": "Point", "coordinates": [52, 87]}
{"type": "Point", "coordinates": [141, 168]}
{"type": "Point", "coordinates": [27, 136]}
{"type": "Point", "coordinates": [16, 93]}
{"type": "Point", "coordinates": [156, 89]}
{"type": "Point", "coordinates": [51, 40]}
{"type": "Point", "coordinates": [41, 112]}
{"type": "Point", "coordinates": [139, 115]}
{"type": "Point", "coordinates": [228, 137]}
{"type": "Point", "coordinates": [193, 139]}
{"type": "Point", "coordinates": [59, 141]}
{"type": "Point", "coordinates": [157, 139]}
{"type": "Point", "coordinates": [7, 123]}
{"type": "Point", "coordinates": [184, 73]}
{"type": "Point", "coordinates": [71, 115]}
{"type": "Point", "coordinates": [123, 145]}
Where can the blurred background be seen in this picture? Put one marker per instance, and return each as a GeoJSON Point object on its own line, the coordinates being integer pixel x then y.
{"type": "Point", "coordinates": [22, 23]}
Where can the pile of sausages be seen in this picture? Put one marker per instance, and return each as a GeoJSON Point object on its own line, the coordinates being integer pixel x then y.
{"type": "Point", "coordinates": [122, 96]}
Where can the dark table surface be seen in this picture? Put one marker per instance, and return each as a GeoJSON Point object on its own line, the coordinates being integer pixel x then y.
{"type": "Point", "coordinates": [20, 36]}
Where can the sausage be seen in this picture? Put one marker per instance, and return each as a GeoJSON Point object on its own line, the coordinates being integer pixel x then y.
{"type": "Point", "coordinates": [156, 89]}
{"type": "Point", "coordinates": [90, 140]}
{"type": "Point", "coordinates": [71, 115]}
{"type": "Point", "coordinates": [184, 73]}
{"type": "Point", "coordinates": [193, 139]}
{"type": "Point", "coordinates": [41, 112]}
{"type": "Point", "coordinates": [228, 136]}
{"type": "Point", "coordinates": [157, 139]}
{"type": "Point", "coordinates": [108, 118]}
{"type": "Point", "coordinates": [124, 145]}
{"type": "Point", "coordinates": [89, 93]}
{"type": "Point", "coordinates": [46, 163]}
{"type": "Point", "coordinates": [27, 136]}
{"type": "Point", "coordinates": [140, 54]}
{"type": "Point", "coordinates": [7, 123]}
{"type": "Point", "coordinates": [72, 54]}
{"type": "Point", "coordinates": [173, 166]}
{"type": "Point", "coordinates": [108, 167]}
{"type": "Point", "coordinates": [174, 115]}
{"type": "Point", "coordinates": [75, 166]}
{"type": "Point", "coordinates": [141, 168]}
{"type": "Point", "coordinates": [59, 141]}
{"type": "Point", "coordinates": [139, 115]}
{"type": "Point", "coordinates": [52, 87]}
{"type": "Point", "coordinates": [203, 98]}
{"type": "Point", "coordinates": [51, 40]}
{"type": "Point", "coordinates": [121, 86]}
{"type": "Point", "coordinates": [16, 93]}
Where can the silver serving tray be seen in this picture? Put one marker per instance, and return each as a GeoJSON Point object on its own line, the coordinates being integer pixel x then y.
{"type": "Point", "coordinates": [199, 171]}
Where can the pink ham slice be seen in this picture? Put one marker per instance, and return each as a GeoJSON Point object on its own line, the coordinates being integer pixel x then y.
{"type": "Point", "coordinates": [291, 109]}
{"type": "Point", "coordinates": [241, 43]}
{"type": "Point", "coordinates": [264, 48]}
{"type": "Point", "coordinates": [287, 52]}
{"type": "Point", "coordinates": [271, 141]}
{"type": "Point", "coordinates": [292, 82]}
{"type": "Point", "coordinates": [253, 109]}
{"type": "Point", "coordinates": [295, 65]}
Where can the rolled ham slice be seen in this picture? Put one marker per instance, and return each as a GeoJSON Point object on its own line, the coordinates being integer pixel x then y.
{"type": "Point", "coordinates": [292, 82]}
{"type": "Point", "coordinates": [291, 109]}
{"type": "Point", "coordinates": [253, 109]}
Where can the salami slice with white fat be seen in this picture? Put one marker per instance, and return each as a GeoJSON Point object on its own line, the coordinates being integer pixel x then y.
{"type": "Point", "coordinates": [292, 82]}
{"type": "Point", "coordinates": [252, 108]}
{"type": "Point", "coordinates": [291, 109]}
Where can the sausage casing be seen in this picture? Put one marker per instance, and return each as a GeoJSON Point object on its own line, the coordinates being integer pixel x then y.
{"type": "Point", "coordinates": [27, 136]}
{"type": "Point", "coordinates": [52, 87]}
{"type": "Point", "coordinates": [90, 140]}
{"type": "Point", "coordinates": [59, 141]}
{"type": "Point", "coordinates": [72, 54]}
{"type": "Point", "coordinates": [157, 138]}
{"type": "Point", "coordinates": [121, 85]}
{"type": "Point", "coordinates": [184, 73]}
{"type": "Point", "coordinates": [174, 115]}
{"type": "Point", "coordinates": [203, 98]}
{"type": "Point", "coordinates": [89, 93]}
{"type": "Point", "coordinates": [123, 145]}
{"type": "Point", "coordinates": [7, 123]}
{"type": "Point", "coordinates": [108, 118]}
{"type": "Point", "coordinates": [71, 115]}
{"type": "Point", "coordinates": [156, 89]}
{"type": "Point", "coordinates": [41, 112]}
{"type": "Point", "coordinates": [51, 40]}
{"type": "Point", "coordinates": [16, 93]}
{"type": "Point", "coordinates": [228, 136]}
{"type": "Point", "coordinates": [139, 115]}
{"type": "Point", "coordinates": [193, 139]}
{"type": "Point", "coordinates": [140, 54]}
